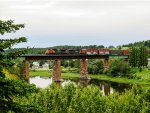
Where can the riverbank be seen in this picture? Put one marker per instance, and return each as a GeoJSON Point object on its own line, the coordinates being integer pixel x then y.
{"type": "Point", "coordinates": [68, 75]}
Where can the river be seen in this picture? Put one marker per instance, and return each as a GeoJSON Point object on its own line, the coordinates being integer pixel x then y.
{"type": "Point", "coordinates": [107, 87]}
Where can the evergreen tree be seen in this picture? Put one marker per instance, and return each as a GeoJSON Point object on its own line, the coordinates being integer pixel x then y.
{"type": "Point", "coordinates": [143, 55]}
{"type": "Point", "coordinates": [9, 89]}
{"type": "Point", "coordinates": [138, 56]}
{"type": "Point", "coordinates": [133, 56]}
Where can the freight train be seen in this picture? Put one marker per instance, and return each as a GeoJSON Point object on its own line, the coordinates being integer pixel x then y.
{"type": "Point", "coordinates": [88, 51]}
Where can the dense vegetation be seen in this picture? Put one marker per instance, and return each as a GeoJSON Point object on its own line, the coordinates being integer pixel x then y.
{"type": "Point", "coordinates": [95, 67]}
{"type": "Point", "coordinates": [138, 56]}
{"type": "Point", "coordinates": [119, 67]}
{"type": "Point", "coordinates": [10, 89]}
{"type": "Point", "coordinates": [77, 99]}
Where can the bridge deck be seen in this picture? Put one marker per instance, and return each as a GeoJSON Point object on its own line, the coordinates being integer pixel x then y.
{"type": "Point", "coordinates": [68, 56]}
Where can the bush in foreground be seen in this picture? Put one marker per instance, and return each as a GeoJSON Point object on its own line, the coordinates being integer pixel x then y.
{"type": "Point", "coordinates": [77, 99]}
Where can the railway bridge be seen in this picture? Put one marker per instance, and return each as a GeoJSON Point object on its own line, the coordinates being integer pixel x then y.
{"type": "Point", "coordinates": [57, 63]}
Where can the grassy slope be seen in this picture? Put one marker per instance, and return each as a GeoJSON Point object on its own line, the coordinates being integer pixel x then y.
{"type": "Point", "coordinates": [99, 77]}
{"type": "Point", "coordinates": [144, 75]}
{"type": "Point", "coordinates": [46, 73]}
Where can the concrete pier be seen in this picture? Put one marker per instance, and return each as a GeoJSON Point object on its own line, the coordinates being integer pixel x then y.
{"type": "Point", "coordinates": [57, 70]}
{"type": "Point", "coordinates": [84, 69]}
{"type": "Point", "coordinates": [24, 70]}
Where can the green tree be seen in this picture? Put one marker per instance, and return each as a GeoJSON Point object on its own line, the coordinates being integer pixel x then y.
{"type": "Point", "coordinates": [95, 67]}
{"type": "Point", "coordinates": [9, 89]}
{"type": "Point", "coordinates": [143, 55]}
{"type": "Point", "coordinates": [138, 56]}
{"type": "Point", "coordinates": [119, 67]}
{"type": "Point", "coordinates": [133, 56]}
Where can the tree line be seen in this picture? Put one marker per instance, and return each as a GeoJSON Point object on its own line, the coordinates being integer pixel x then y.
{"type": "Point", "coordinates": [145, 43]}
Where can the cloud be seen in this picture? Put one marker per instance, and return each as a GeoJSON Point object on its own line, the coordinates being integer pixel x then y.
{"type": "Point", "coordinates": [102, 19]}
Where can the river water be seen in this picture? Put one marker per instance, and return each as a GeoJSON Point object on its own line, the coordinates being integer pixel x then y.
{"type": "Point", "coordinates": [107, 87]}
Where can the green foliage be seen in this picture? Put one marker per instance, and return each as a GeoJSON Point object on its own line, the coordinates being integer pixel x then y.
{"type": "Point", "coordinates": [138, 56]}
{"type": "Point", "coordinates": [10, 89]}
{"type": "Point", "coordinates": [145, 43]}
{"type": "Point", "coordinates": [9, 26]}
{"type": "Point", "coordinates": [131, 101]}
{"type": "Point", "coordinates": [141, 74]}
{"type": "Point", "coordinates": [95, 67]}
{"type": "Point", "coordinates": [46, 73]}
{"type": "Point", "coordinates": [70, 63]}
{"type": "Point", "coordinates": [15, 69]}
{"type": "Point", "coordinates": [118, 67]}
{"type": "Point", "coordinates": [69, 99]}
{"type": "Point", "coordinates": [143, 55]}
{"type": "Point", "coordinates": [133, 56]}
{"type": "Point", "coordinates": [6, 58]}
{"type": "Point", "coordinates": [87, 100]}
{"type": "Point", "coordinates": [76, 99]}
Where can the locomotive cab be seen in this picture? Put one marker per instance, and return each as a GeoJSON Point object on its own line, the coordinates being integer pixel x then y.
{"type": "Point", "coordinates": [50, 51]}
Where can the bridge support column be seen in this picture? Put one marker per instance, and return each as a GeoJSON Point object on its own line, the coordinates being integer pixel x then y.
{"type": "Point", "coordinates": [84, 69]}
{"type": "Point", "coordinates": [57, 71]}
{"type": "Point", "coordinates": [24, 70]}
{"type": "Point", "coordinates": [106, 64]}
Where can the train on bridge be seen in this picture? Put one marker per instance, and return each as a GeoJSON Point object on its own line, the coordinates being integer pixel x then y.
{"type": "Point", "coordinates": [87, 51]}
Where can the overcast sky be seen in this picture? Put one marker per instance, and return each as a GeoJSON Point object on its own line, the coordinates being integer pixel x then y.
{"type": "Point", "coordinates": [78, 22]}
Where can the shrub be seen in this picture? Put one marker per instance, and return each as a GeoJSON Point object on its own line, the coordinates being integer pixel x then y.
{"type": "Point", "coordinates": [77, 99]}
{"type": "Point", "coordinates": [95, 67]}
{"type": "Point", "coordinates": [119, 68]}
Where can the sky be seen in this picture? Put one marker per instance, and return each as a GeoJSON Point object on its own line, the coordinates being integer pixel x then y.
{"type": "Point", "coordinates": [78, 22]}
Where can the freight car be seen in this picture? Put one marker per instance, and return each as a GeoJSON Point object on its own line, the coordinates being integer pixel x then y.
{"type": "Point", "coordinates": [104, 51]}
{"type": "Point", "coordinates": [115, 52]}
{"type": "Point", "coordinates": [94, 51]}
{"type": "Point", "coordinates": [119, 52]}
{"type": "Point", "coordinates": [88, 51]}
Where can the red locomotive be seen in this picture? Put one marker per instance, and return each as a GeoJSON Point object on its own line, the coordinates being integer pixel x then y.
{"type": "Point", "coordinates": [50, 51]}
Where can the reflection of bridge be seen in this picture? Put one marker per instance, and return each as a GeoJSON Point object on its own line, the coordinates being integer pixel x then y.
{"type": "Point", "coordinates": [57, 63]}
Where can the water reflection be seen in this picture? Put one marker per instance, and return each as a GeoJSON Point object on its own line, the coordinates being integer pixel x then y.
{"type": "Point", "coordinates": [43, 82]}
{"type": "Point", "coordinates": [84, 83]}
{"type": "Point", "coordinates": [107, 87]}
